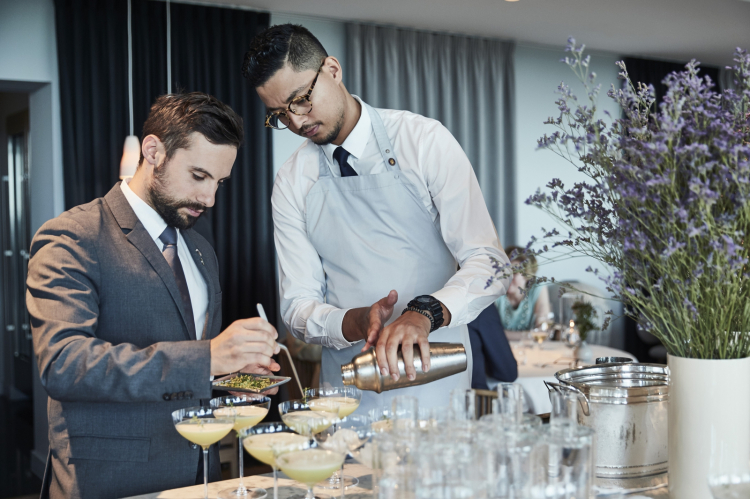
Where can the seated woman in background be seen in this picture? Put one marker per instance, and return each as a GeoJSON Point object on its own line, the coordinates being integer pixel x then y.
{"type": "Point", "coordinates": [523, 309]}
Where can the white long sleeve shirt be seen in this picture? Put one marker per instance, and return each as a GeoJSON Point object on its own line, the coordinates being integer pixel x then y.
{"type": "Point", "coordinates": [434, 162]}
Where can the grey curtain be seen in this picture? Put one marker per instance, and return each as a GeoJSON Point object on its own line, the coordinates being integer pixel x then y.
{"type": "Point", "coordinates": [466, 83]}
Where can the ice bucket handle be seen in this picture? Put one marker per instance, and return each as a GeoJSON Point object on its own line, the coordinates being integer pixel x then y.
{"type": "Point", "coordinates": [559, 387]}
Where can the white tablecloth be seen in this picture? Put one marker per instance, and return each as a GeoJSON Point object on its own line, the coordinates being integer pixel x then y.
{"type": "Point", "coordinates": [536, 365]}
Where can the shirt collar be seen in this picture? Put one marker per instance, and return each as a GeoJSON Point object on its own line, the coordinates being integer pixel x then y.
{"type": "Point", "coordinates": [151, 220]}
{"type": "Point", "coordinates": [357, 140]}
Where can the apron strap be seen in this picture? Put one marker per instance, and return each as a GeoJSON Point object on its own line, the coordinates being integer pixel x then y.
{"type": "Point", "coordinates": [384, 144]}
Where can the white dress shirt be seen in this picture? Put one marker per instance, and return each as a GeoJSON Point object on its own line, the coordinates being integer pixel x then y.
{"type": "Point", "coordinates": [435, 164]}
{"type": "Point", "coordinates": [155, 225]}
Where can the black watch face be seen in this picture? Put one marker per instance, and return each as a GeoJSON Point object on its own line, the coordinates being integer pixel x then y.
{"type": "Point", "coordinates": [424, 299]}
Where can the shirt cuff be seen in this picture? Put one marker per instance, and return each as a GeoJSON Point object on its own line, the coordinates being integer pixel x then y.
{"type": "Point", "coordinates": [334, 329]}
{"type": "Point", "coordinates": [455, 301]}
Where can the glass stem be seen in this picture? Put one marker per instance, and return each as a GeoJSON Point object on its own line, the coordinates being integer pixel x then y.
{"type": "Point", "coordinates": [275, 483]}
{"type": "Point", "coordinates": [241, 489]}
{"type": "Point", "coordinates": [205, 472]}
{"type": "Point", "coordinates": [310, 494]}
{"type": "Point", "coordinates": [342, 482]}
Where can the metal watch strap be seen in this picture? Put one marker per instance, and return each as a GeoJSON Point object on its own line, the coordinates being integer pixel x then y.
{"type": "Point", "coordinates": [423, 312]}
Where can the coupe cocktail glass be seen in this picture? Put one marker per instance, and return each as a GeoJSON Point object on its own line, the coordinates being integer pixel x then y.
{"type": "Point", "coordinates": [308, 464]}
{"type": "Point", "coordinates": [248, 410]}
{"type": "Point", "coordinates": [347, 437]}
{"type": "Point", "coordinates": [201, 426]}
{"type": "Point", "coordinates": [299, 416]}
{"type": "Point", "coordinates": [259, 439]}
{"type": "Point", "coordinates": [349, 398]}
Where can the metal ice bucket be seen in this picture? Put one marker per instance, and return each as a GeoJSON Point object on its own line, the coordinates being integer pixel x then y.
{"type": "Point", "coordinates": [626, 404]}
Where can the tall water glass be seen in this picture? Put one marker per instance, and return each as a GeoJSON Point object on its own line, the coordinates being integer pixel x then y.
{"type": "Point", "coordinates": [462, 404]}
{"type": "Point", "coordinates": [405, 411]}
{"type": "Point", "coordinates": [511, 400]}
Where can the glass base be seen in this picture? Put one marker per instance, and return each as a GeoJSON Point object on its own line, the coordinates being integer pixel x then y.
{"type": "Point", "coordinates": [305, 496]}
{"type": "Point", "coordinates": [335, 482]}
{"type": "Point", "coordinates": [242, 494]}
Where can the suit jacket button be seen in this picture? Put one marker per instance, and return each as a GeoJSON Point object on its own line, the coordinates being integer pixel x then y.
{"type": "Point", "coordinates": [181, 395]}
{"type": "Point", "coordinates": [166, 397]}
{"type": "Point", "coordinates": [188, 395]}
{"type": "Point", "coordinates": [175, 396]}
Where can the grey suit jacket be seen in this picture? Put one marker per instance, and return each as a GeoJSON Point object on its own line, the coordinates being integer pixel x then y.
{"type": "Point", "coordinates": [114, 352]}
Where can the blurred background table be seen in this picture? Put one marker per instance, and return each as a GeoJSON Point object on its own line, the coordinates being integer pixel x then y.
{"type": "Point", "coordinates": [537, 365]}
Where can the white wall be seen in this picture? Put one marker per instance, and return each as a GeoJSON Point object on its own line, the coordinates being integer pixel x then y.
{"type": "Point", "coordinates": [331, 35]}
{"type": "Point", "coordinates": [28, 63]}
{"type": "Point", "coordinates": [538, 73]}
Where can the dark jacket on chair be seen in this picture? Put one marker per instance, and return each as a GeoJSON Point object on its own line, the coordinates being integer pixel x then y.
{"type": "Point", "coordinates": [490, 350]}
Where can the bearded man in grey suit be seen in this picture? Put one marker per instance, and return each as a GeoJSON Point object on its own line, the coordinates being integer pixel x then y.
{"type": "Point", "coordinates": [125, 305]}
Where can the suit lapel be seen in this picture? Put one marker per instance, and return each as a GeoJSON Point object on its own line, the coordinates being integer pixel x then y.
{"type": "Point", "coordinates": [198, 259]}
{"type": "Point", "coordinates": [140, 238]}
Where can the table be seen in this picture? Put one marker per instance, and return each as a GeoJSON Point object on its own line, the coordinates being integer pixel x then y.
{"type": "Point", "coordinates": [537, 365]}
{"type": "Point", "coordinates": [288, 487]}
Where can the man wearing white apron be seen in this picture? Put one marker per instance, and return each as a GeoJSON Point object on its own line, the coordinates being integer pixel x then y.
{"type": "Point", "coordinates": [373, 214]}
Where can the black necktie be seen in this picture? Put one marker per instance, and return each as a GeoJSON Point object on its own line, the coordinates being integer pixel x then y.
{"type": "Point", "coordinates": [341, 155]}
{"type": "Point", "coordinates": [169, 238]}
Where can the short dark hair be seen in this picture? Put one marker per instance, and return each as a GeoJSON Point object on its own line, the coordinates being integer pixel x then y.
{"type": "Point", "coordinates": [173, 117]}
{"type": "Point", "coordinates": [280, 44]}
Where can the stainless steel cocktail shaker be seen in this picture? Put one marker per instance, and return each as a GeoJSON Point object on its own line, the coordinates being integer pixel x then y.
{"type": "Point", "coordinates": [446, 359]}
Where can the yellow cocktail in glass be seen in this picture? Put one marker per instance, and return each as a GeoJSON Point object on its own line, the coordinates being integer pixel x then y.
{"type": "Point", "coordinates": [201, 426]}
{"type": "Point", "coordinates": [247, 410]}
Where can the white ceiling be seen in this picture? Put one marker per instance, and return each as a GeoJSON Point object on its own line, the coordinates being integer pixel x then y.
{"type": "Point", "coordinates": [707, 30]}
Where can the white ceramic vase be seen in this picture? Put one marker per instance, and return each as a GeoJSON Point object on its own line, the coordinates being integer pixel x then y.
{"type": "Point", "coordinates": [584, 353]}
{"type": "Point", "coordinates": [709, 423]}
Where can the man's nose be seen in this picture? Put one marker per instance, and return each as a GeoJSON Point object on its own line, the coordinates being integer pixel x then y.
{"type": "Point", "coordinates": [208, 196]}
{"type": "Point", "coordinates": [296, 121]}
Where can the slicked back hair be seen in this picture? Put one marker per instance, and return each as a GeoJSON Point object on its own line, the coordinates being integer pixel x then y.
{"type": "Point", "coordinates": [277, 45]}
{"type": "Point", "coordinates": [174, 117]}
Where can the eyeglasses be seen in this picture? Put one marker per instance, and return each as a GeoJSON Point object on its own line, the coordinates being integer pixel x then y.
{"type": "Point", "coordinates": [300, 106]}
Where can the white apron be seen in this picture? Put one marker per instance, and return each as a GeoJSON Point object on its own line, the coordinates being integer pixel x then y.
{"type": "Point", "coordinates": [373, 234]}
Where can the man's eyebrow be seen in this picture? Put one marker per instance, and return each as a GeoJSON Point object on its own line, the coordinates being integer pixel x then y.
{"type": "Point", "coordinates": [206, 173]}
{"type": "Point", "coordinates": [288, 99]}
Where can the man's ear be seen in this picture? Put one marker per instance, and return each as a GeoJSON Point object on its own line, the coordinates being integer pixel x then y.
{"type": "Point", "coordinates": [332, 66]}
{"type": "Point", "coordinates": [152, 148]}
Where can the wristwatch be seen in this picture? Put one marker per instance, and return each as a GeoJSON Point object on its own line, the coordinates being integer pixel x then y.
{"type": "Point", "coordinates": [430, 307]}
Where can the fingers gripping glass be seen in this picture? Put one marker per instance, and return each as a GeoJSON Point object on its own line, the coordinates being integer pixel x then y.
{"type": "Point", "coordinates": [300, 106]}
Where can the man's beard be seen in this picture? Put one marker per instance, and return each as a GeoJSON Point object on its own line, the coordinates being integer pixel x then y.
{"type": "Point", "coordinates": [168, 207]}
{"type": "Point", "coordinates": [333, 134]}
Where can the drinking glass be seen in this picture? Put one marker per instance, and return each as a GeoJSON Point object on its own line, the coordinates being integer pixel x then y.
{"type": "Point", "coordinates": [348, 398]}
{"type": "Point", "coordinates": [405, 411]}
{"type": "Point", "coordinates": [347, 436]}
{"type": "Point", "coordinates": [308, 464]}
{"type": "Point", "coordinates": [258, 440]}
{"type": "Point", "coordinates": [299, 416]}
{"type": "Point", "coordinates": [382, 420]}
{"type": "Point", "coordinates": [511, 400]}
{"type": "Point", "coordinates": [462, 405]}
{"type": "Point", "coordinates": [432, 418]}
{"type": "Point", "coordinates": [248, 410]}
{"type": "Point", "coordinates": [570, 464]}
{"type": "Point", "coordinates": [540, 335]}
{"type": "Point", "coordinates": [202, 427]}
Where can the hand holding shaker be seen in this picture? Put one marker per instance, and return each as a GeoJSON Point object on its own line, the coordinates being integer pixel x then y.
{"type": "Point", "coordinates": [447, 359]}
